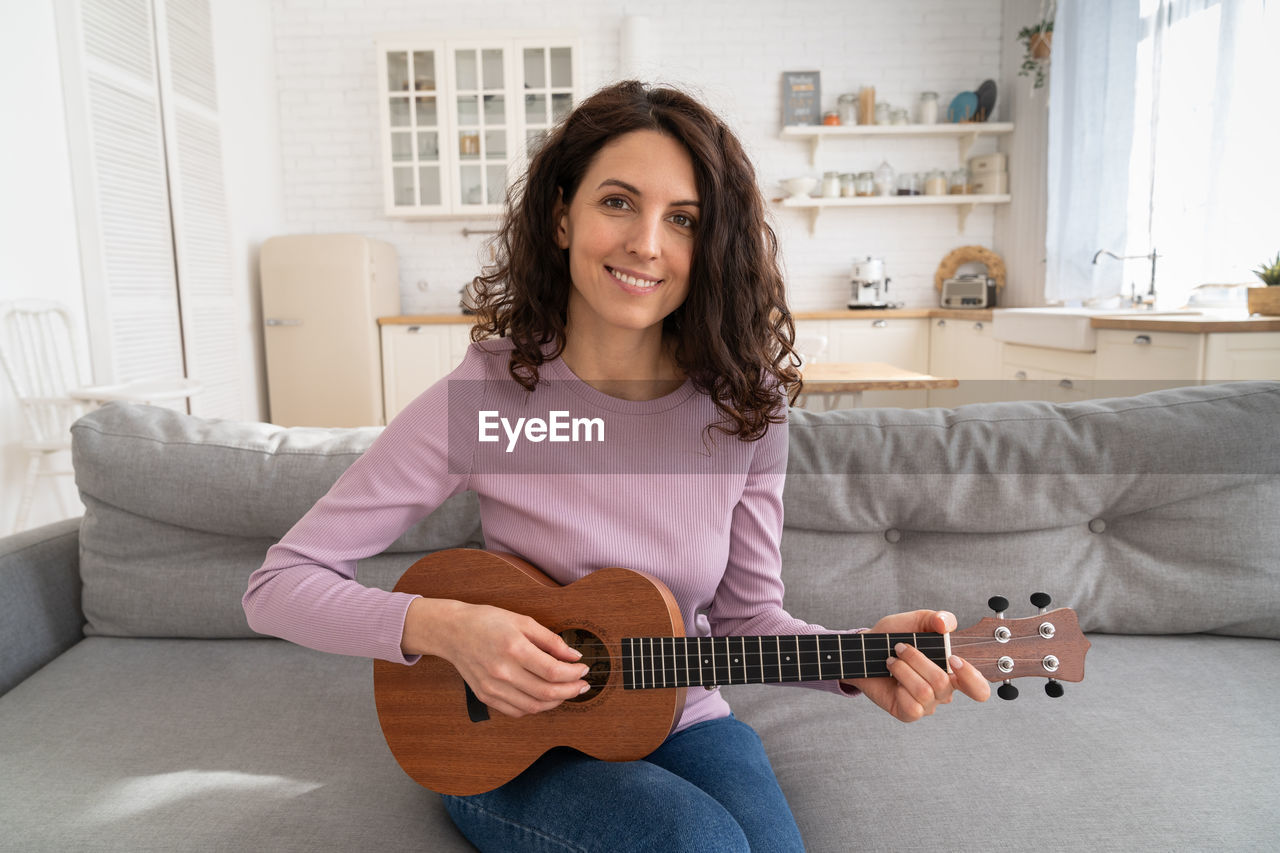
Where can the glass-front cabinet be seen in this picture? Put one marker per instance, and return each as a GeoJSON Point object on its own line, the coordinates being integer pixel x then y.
{"type": "Point", "coordinates": [461, 116]}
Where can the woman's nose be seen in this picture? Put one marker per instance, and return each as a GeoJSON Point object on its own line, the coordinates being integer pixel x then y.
{"type": "Point", "coordinates": [644, 238]}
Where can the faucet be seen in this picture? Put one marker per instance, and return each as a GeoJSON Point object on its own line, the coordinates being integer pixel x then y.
{"type": "Point", "coordinates": [1149, 300]}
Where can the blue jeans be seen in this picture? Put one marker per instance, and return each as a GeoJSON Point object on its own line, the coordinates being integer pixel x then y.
{"type": "Point", "coordinates": [707, 789]}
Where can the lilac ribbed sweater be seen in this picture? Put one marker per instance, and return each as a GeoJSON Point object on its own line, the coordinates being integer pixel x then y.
{"type": "Point", "coordinates": [655, 491]}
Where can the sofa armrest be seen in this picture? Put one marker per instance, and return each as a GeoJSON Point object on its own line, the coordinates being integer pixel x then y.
{"type": "Point", "coordinates": [40, 614]}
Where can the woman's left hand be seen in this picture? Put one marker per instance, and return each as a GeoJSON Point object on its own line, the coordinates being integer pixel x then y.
{"type": "Point", "coordinates": [916, 686]}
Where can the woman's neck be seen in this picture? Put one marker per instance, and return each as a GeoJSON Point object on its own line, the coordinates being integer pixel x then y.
{"type": "Point", "coordinates": [630, 367]}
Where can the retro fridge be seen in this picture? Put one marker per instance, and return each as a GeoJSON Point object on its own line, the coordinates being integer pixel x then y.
{"type": "Point", "coordinates": [322, 295]}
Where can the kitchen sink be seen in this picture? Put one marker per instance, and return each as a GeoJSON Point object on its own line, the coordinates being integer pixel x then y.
{"type": "Point", "coordinates": [1061, 328]}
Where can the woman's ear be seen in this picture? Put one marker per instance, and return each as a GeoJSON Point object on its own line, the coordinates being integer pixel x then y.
{"type": "Point", "coordinates": [560, 214]}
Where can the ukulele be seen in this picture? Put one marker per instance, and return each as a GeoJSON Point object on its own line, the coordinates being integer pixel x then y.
{"type": "Point", "coordinates": [628, 628]}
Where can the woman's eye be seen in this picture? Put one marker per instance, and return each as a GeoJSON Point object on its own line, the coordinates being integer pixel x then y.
{"type": "Point", "coordinates": [616, 203]}
{"type": "Point", "coordinates": [682, 220]}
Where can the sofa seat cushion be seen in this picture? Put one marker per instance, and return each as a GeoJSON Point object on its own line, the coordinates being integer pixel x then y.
{"type": "Point", "coordinates": [133, 744]}
{"type": "Point", "coordinates": [153, 744]}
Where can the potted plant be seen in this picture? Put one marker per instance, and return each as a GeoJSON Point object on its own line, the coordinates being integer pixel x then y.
{"type": "Point", "coordinates": [1037, 41]}
{"type": "Point", "coordinates": [1266, 300]}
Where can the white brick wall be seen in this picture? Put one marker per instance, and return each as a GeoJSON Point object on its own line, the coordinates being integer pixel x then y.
{"type": "Point", "coordinates": [731, 52]}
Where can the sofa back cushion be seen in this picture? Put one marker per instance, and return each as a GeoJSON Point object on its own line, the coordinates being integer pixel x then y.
{"type": "Point", "coordinates": [179, 510]}
{"type": "Point", "coordinates": [1157, 514]}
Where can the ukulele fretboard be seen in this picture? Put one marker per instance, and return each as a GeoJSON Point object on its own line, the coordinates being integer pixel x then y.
{"type": "Point", "coordinates": [650, 662]}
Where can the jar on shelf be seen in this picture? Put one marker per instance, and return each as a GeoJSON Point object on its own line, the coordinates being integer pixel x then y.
{"type": "Point", "coordinates": [831, 119]}
{"type": "Point", "coordinates": [847, 185]}
{"type": "Point", "coordinates": [927, 109]}
{"type": "Point", "coordinates": [935, 183]}
{"type": "Point", "coordinates": [885, 179]}
{"type": "Point", "coordinates": [867, 105]}
{"type": "Point", "coordinates": [831, 185]}
{"type": "Point", "coordinates": [908, 183]}
{"type": "Point", "coordinates": [847, 108]}
{"type": "Point", "coordinates": [898, 117]}
{"type": "Point", "coordinates": [882, 112]}
{"type": "Point", "coordinates": [959, 182]}
{"type": "Point", "coordinates": [865, 184]}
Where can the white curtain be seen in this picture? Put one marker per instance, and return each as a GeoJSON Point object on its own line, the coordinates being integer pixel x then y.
{"type": "Point", "coordinates": [1163, 123]}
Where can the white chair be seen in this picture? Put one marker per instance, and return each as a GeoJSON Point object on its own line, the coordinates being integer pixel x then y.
{"type": "Point", "coordinates": [41, 359]}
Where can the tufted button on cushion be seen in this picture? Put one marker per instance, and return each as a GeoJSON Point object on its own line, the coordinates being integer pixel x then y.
{"type": "Point", "coordinates": [892, 535]}
{"type": "Point", "coordinates": [1097, 525]}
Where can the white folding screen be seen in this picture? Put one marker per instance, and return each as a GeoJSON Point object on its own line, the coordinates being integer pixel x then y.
{"type": "Point", "coordinates": [150, 199]}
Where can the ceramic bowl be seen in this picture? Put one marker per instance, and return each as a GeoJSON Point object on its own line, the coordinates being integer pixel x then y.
{"type": "Point", "coordinates": [800, 187]}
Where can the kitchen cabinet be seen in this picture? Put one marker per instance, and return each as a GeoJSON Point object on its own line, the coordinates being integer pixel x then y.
{"type": "Point", "coordinates": [1155, 356]}
{"type": "Point", "coordinates": [900, 341]}
{"type": "Point", "coordinates": [1039, 373]}
{"type": "Point", "coordinates": [965, 135]}
{"type": "Point", "coordinates": [963, 349]}
{"type": "Point", "coordinates": [1242, 355]}
{"type": "Point", "coordinates": [414, 357]}
{"type": "Point", "coordinates": [460, 116]}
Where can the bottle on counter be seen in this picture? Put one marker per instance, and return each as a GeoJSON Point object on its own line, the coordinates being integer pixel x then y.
{"type": "Point", "coordinates": [847, 108]}
{"type": "Point", "coordinates": [867, 105]}
{"type": "Point", "coordinates": [935, 183]}
{"type": "Point", "coordinates": [927, 109]}
{"type": "Point", "coordinates": [885, 179]}
{"type": "Point", "coordinates": [831, 185]}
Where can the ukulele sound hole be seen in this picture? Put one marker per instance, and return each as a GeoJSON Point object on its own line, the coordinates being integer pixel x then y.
{"type": "Point", "coordinates": [594, 655]}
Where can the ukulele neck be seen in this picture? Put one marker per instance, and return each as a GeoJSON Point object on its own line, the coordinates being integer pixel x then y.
{"type": "Point", "coordinates": [650, 662]}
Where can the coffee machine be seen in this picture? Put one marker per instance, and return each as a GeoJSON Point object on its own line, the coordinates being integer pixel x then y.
{"type": "Point", "coordinates": [870, 285]}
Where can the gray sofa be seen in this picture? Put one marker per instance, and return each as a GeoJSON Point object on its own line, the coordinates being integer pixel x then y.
{"type": "Point", "coordinates": [139, 712]}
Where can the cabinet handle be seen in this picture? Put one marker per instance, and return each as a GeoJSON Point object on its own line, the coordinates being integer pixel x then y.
{"type": "Point", "coordinates": [1066, 384]}
{"type": "Point", "coordinates": [1142, 340]}
{"type": "Point", "coordinates": [942, 323]}
{"type": "Point", "coordinates": [879, 324]}
{"type": "Point", "coordinates": [274, 322]}
{"type": "Point", "coordinates": [1021, 374]}
{"type": "Point", "coordinates": [413, 330]}
{"type": "Point", "coordinates": [978, 327]}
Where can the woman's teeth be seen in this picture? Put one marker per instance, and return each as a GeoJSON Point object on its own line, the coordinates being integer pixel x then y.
{"type": "Point", "coordinates": [634, 282]}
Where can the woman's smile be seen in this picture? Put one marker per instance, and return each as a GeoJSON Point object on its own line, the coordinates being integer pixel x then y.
{"type": "Point", "coordinates": [633, 282]}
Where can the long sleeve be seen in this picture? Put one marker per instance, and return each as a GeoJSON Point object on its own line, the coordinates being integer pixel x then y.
{"type": "Point", "coordinates": [306, 590]}
{"type": "Point", "coordinates": [748, 600]}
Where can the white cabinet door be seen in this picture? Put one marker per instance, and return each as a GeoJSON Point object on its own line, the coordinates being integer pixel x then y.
{"type": "Point", "coordinates": [964, 349]}
{"type": "Point", "coordinates": [1162, 356]}
{"type": "Point", "coordinates": [900, 341]}
{"type": "Point", "coordinates": [461, 115]}
{"type": "Point", "coordinates": [1242, 355]}
{"type": "Point", "coordinates": [1041, 373]}
{"type": "Point", "coordinates": [416, 357]}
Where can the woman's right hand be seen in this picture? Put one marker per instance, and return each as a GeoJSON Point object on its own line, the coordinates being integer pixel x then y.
{"type": "Point", "coordinates": [513, 664]}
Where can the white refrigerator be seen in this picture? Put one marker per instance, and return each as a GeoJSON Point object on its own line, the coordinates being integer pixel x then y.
{"type": "Point", "coordinates": [322, 295]}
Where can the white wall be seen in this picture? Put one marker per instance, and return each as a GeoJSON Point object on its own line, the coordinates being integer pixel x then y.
{"type": "Point", "coordinates": [39, 257]}
{"type": "Point", "coordinates": [732, 53]}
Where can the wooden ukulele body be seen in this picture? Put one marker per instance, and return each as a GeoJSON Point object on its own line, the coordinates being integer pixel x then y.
{"type": "Point", "coordinates": [424, 709]}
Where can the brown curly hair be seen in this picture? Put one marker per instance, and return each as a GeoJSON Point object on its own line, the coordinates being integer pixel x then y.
{"type": "Point", "coordinates": [733, 335]}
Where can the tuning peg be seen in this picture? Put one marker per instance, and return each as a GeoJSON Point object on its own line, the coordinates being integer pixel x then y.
{"type": "Point", "coordinates": [1007, 691]}
{"type": "Point", "coordinates": [1041, 600]}
{"type": "Point", "coordinates": [999, 604]}
{"type": "Point", "coordinates": [1053, 688]}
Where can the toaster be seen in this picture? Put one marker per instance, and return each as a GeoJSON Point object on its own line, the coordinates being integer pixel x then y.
{"type": "Point", "coordinates": [969, 291]}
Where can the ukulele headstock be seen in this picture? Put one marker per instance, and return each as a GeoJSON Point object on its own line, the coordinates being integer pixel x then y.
{"type": "Point", "coordinates": [1049, 645]}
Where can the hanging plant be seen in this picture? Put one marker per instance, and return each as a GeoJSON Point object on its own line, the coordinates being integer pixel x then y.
{"type": "Point", "coordinates": [1037, 42]}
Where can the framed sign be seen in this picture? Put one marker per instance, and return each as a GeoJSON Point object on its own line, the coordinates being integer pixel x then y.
{"type": "Point", "coordinates": [801, 98]}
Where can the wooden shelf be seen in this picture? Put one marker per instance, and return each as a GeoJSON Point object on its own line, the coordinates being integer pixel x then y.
{"type": "Point", "coordinates": [964, 203]}
{"type": "Point", "coordinates": [965, 134]}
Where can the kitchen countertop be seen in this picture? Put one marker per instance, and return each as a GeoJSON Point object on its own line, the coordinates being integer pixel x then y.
{"type": "Point", "coordinates": [1196, 324]}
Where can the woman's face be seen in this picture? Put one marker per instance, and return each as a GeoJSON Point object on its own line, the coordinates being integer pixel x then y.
{"type": "Point", "coordinates": [630, 232]}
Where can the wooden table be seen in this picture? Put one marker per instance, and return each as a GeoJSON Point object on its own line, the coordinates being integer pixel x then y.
{"type": "Point", "coordinates": [833, 379]}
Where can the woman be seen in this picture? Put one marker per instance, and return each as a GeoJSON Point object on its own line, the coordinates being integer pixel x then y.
{"type": "Point", "coordinates": [638, 287]}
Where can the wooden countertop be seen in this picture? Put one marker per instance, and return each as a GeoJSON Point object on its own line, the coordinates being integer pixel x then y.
{"type": "Point", "coordinates": [844, 377]}
{"type": "Point", "coordinates": [1190, 325]}
{"type": "Point", "coordinates": [976, 314]}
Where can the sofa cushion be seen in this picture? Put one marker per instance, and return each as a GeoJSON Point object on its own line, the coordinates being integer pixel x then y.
{"type": "Point", "coordinates": [179, 510]}
{"type": "Point", "coordinates": [1148, 514]}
